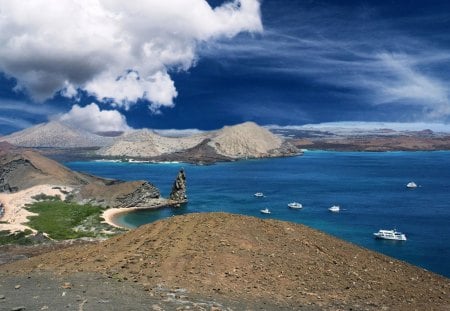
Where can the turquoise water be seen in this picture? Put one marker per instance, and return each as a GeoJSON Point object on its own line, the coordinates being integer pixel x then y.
{"type": "Point", "coordinates": [369, 187]}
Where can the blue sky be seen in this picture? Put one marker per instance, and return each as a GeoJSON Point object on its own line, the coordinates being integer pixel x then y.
{"type": "Point", "coordinates": [306, 62]}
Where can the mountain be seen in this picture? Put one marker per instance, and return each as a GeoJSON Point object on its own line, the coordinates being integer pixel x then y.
{"type": "Point", "coordinates": [247, 140]}
{"type": "Point", "coordinates": [21, 169]}
{"type": "Point", "coordinates": [262, 264]}
{"type": "Point", "coordinates": [55, 134]}
{"type": "Point", "coordinates": [146, 143]}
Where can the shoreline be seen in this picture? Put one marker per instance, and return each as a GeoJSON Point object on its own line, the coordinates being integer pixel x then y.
{"type": "Point", "coordinates": [110, 215]}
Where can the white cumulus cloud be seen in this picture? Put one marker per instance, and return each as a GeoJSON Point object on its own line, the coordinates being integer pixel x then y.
{"type": "Point", "coordinates": [118, 51]}
{"type": "Point", "coordinates": [92, 119]}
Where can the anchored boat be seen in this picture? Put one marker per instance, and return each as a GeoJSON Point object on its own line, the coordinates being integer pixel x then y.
{"type": "Point", "coordinates": [390, 235]}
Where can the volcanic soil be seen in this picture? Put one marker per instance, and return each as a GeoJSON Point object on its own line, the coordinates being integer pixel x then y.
{"type": "Point", "coordinates": [219, 261]}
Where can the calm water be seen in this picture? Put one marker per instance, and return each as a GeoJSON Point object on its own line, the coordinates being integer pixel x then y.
{"type": "Point", "coordinates": [369, 187]}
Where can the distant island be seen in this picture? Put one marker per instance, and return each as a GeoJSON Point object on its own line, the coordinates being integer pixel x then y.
{"type": "Point", "coordinates": [242, 141]}
{"type": "Point", "coordinates": [360, 139]}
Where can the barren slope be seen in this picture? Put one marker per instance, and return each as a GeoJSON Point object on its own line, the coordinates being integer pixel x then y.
{"type": "Point", "coordinates": [254, 260]}
{"type": "Point", "coordinates": [21, 169]}
{"type": "Point", "coordinates": [145, 144]}
{"type": "Point", "coordinates": [245, 140]}
{"type": "Point", "coordinates": [55, 134]}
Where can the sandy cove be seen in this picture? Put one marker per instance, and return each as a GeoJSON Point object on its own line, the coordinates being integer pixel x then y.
{"type": "Point", "coordinates": [111, 214]}
{"type": "Point", "coordinates": [15, 215]}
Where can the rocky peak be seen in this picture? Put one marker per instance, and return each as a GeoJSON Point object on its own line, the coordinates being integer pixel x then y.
{"type": "Point", "coordinates": [178, 193]}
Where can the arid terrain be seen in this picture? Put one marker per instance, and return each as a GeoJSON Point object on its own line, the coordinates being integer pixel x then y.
{"type": "Point", "coordinates": [241, 141]}
{"type": "Point", "coordinates": [229, 261]}
{"type": "Point", "coordinates": [336, 139]}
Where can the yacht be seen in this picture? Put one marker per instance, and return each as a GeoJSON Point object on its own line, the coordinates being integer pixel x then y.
{"type": "Point", "coordinates": [265, 211]}
{"type": "Point", "coordinates": [334, 209]}
{"type": "Point", "coordinates": [390, 235]}
{"type": "Point", "coordinates": [259, 194]}
{"type": "Point", "coordinates": [411, 185]}
{"type": "Point", "coordinates": [295, 205]}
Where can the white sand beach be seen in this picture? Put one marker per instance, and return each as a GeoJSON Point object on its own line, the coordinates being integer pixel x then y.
{"type": "Point", "coordinates": [110, 214]}
{"type": "Point", "coordinates": [15, 215]}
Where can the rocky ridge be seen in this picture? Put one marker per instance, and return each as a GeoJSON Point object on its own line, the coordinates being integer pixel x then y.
{"type": "Point", "coordinates": [246, 140]}
{"type": "Point", "coordinates": [21, 169]}
{"type": "Point", "coordinates": [146, 143]}
{"type": "Point", "coordinates": [263, 264]}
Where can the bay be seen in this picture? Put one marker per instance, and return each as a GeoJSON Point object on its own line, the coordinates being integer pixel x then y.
{"type": "Point", "coordinates": [369, 187]}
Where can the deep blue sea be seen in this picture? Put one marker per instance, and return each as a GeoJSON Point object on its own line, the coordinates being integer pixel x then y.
{"type": "Point", "coordinates": [369, 187]}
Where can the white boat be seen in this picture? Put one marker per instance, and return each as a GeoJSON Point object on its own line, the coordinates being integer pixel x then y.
{"type": "Point", "coordinates": [411, 185]}
{"type": "Point", "coordinates": [334, 209]}
{"type": "Point", "coordinates": [295, 205]}
{"type": "Point", "coordinates": [259, 194]}
{"type": "Point", "coordinates": [265, 211]}
{"type": "Point", "coordinates": [390, 235]}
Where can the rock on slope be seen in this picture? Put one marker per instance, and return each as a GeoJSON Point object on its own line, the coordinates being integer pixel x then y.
{"type": "Point", "coordinates": [21, 169]}
{"type": "Point", "coordinates": [262, 262]}
{"type": "Point", "coordinates": [55, 134]}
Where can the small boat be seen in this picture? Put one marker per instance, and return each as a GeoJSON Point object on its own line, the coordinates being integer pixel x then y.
{"type": "Point", "coordinates": [334, 209]}
{"type": "Point", "coordinates": [411, 185]}
{"type": "Point", "coordinates": [259, 194]}
{"type": "Point", "coordinates": [295, 205]}
{"type": "Point", "coordinates": [390, 235]}
{"type": "Point", "coordinates": [265, 211]}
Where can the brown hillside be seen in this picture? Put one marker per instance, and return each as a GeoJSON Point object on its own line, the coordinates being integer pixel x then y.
{"type": "Point", "coordinates": [21, 169]}
{"type": "Point", "coordinates": [248, 259]}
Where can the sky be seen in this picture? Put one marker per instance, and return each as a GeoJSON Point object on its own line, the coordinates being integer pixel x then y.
{"type": "Point", "coordinates": [106, 65]}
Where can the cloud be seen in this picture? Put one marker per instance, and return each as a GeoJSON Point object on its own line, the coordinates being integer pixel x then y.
{"type": "Point", "coordinates": [9, 106]}
{"type": "Point", "coordinates": [118, 51]}
{"type": "Point", "coordinates": [357, 53]}
{"type": "Point", "coordinates": [92, 119]}
{"type": "Point", "coordinates": [409, 84]}
{"type": "Point", "coordinates": [14, 123]}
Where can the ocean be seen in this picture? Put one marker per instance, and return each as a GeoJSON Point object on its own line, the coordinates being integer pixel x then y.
{"type": "Point", "coordinates": [369, 187]}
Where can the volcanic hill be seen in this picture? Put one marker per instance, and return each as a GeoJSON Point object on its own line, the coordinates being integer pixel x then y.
{"type": "Point", "coordinates": [244, 262]}
{"type": "Point", "coordinates": [24, 168]}
{"type": "Point", "coordinates": [55, 134]}
{"type": "Point", "coordinates": [246, 140]}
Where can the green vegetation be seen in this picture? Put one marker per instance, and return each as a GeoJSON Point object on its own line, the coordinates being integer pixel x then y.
{"type": "Point", "coordinates": [44, 197]}
{"type": "Point", "coordinates": [62, 220]}
{"type": "Point", "coordinates": [21, 238]}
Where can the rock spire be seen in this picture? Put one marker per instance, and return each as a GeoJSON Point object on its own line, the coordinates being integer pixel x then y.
{"type": "Point", "coordinates": [178, 193]}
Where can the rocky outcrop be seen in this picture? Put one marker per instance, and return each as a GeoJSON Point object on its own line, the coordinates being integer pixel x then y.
{"type": "Point", "coordinates": [178, 193]}
{"type": "Point", "coordinates": [21, 169]}
{"type": "Point", "coordinates": [137, 194]}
